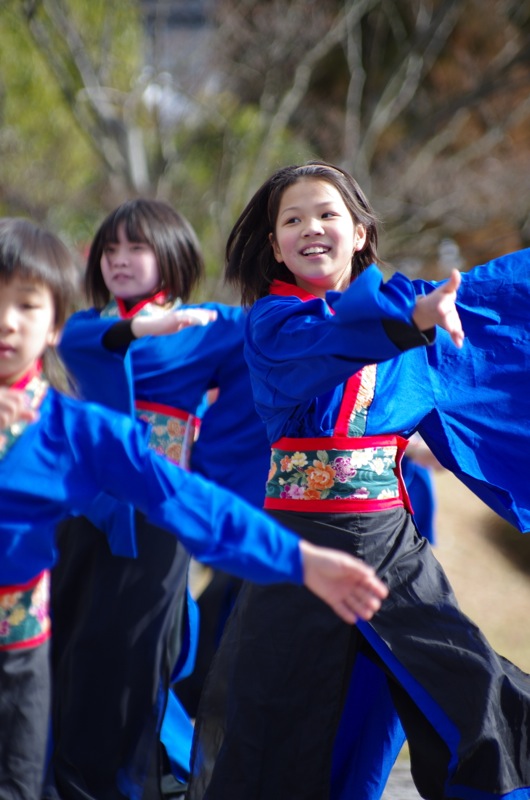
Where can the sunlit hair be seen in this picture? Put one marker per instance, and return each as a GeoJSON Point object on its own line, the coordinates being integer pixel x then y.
{"type": "Point", "coordinates": [35, 254]}
{"type": "Point", "coordinates": [171, 237]}
{"type": "Point", "coordinates": [250, 262]}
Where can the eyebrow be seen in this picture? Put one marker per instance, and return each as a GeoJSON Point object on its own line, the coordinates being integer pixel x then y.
{"type": "Point", "coordinates": [30, 288]}
{"type": "Point", "coordinates": [319, 205]}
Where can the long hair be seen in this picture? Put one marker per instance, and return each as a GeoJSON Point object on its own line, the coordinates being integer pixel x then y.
{"type": "Point", "coordinates": [173, 240]}
{"type": "Point", "coordinates": [250, 262]}
{"type": "Point", "coordinates": [31, 252]}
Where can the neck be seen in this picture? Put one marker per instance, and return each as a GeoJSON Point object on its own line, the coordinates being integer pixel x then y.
{"type": "Point", "coordinates": [23, 380]}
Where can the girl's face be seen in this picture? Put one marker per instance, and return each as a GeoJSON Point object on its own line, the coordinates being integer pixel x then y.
{"type": "Point", "coordinates": [27, 327]}
{"type": "Point", "coordinates": [129, 269]}
{"type": "Point", "coordinates": [315, 236]}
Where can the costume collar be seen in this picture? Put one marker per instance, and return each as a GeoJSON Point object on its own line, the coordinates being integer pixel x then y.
{"type": "Point", "coordinates": [34, 372]}
{"type": "Point", "coordinates": [290, 290]}
{"type": "Point", "coordinates": [160, 298]}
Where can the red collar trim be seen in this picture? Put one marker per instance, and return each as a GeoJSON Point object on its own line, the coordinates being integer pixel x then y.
{"type": "Point", "coordinates": [289, 290]}
{"type": "Point", "coordinates": [127, 313]}
{"type": "Point", "coordinates": [22, 382]}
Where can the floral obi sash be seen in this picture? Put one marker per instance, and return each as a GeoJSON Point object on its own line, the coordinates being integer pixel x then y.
{"type": "Point", "coordinates": [24, 613]}
{"type": "Point", "coordinates": [337, 474]}
{"type": "Point", "coordinates": [173, 431]}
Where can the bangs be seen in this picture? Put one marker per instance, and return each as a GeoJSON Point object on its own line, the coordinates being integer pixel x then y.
{"type": "Point", "coordinates": [133, 223]}
{"type": "Point", "coordinates": [35, 256]}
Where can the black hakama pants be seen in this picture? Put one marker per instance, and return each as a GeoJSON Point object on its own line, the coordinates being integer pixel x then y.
{"type": "Point", "coordinates": [273, 700]}
{"type": "Point", "coordinates": [117, 632]}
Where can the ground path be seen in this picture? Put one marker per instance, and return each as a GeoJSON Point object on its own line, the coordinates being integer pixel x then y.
{"type": "Point", "coordinates": [400, 786]}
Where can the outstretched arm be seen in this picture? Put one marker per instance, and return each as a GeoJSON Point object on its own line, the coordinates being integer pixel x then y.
{"type": "Point", "coordinates": [439, 308]}
{"type": "Point", "coordinates": [345, 583]}
{"type": "Point", "coordinates": [171, 322]}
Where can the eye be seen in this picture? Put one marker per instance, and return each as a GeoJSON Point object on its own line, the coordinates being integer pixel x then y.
{"type": "Point", "coordinates": [329, 214]}
{"type": "Point", "coordinates": [291, 220]}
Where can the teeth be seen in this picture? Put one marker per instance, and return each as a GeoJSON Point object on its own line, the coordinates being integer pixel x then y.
{"type": "Point", "coordinates": [311, 251]}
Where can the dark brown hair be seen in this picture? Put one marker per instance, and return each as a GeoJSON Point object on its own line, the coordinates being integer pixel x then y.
{"type": "Point", "coordinates": [250, 262]}
{"type": "Point", "coordinates": [168, 233]}
{"type": "Point", "coordinates": [31, 252]}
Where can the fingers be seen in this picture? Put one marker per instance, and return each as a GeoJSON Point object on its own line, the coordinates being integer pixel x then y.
{"type": "Point", "coordinates": [457, 335]}
{"type": "Point", "coordinates": [352, 607]}
{"type": "Point", "coordinates": [195, 316]}
{"type": "Point", "coordinates": [348, 585]}
{"type": "Point", "coordinates": [453, 323]}
{"type": "Point", "coordinates": [453, 282]}
{"type": "Point", "coordinates": [13, 408]}
{"type": "Point", "coordinates": [346, 612]}
{"type": "Point", "coordinates": [172, 322]}
{"type": "Point", "coordinates": [439, 308]}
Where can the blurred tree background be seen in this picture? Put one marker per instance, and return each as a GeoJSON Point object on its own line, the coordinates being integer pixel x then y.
{"type": "Point", "coordinates": [426, 102]}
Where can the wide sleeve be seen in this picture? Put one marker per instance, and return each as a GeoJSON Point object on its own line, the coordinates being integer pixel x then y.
{"type": "Point", "coordinates": [479, 426]}
{"type": "Point", "coordinates": [218, 528]}
{"type": "Point", "coordinates": [101, 375]}
{"type": "Point", "coordinates": [232, 448]}
{"type": "Point", "coordinates": [303, 348]}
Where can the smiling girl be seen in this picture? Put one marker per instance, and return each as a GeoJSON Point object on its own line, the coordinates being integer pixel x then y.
{"type": "Point", "coordinates": [344, 369]}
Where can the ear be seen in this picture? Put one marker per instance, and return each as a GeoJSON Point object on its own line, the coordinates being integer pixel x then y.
{"type": "Point", "coordinates": [275, 249]}
{"type": "Point", "coordinates": [53, 338]}
{"type": "Point", "coordinates": [360, 237]}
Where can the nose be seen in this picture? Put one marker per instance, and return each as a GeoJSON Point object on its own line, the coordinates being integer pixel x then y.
{"type": "Point", "coordinates": [7, 318]}
{"type": "Point", "coordinates": [313, 227]}
{"type": "Point", "coordinates": [117, 256]}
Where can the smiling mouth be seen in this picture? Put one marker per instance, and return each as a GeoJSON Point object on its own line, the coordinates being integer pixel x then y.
{"type": "Point", "coordinates": [315, 250]}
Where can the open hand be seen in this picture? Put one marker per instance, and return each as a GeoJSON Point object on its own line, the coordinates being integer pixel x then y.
{"type": "Point", "coordinates": [439, 308]}
{"type": "Point", "coordinates": [172, 322]}
{"type": "Point", "coordinates": [345, 583]}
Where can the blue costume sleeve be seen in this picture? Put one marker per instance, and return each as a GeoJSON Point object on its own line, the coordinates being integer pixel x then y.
{"type": "Point", "coordinates": [290, 340]}
{"type": "Point", "coordinates": [174, 370]}
{"type": "Point", "coordinates": [479, 425]}
{"type": "Point", "coordinates": [232, 448]}
{"type": "Point", "coordinates": [76, 452]}
{"type": "Point", "coordinates": [214, 525]}
{"type": "Point", "coordinates": [101, 375]}
{"type": "Point", "coordinates": [105, 377]}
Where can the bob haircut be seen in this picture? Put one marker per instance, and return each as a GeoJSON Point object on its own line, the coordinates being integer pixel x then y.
{"type": "Point", "coordinates": [171, 237]}
{"type": "Point", "coordinates": [31, 252]}
{"type": "Point", "coordinates": [250, 262]}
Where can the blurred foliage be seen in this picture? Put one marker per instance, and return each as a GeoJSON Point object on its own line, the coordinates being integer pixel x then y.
{"type": "Point", "coordinates": [427, 102]}
{"type": "Point", "coordinates": [52, 167]}
{"type": "Point", "coordinates": [42, 155]}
